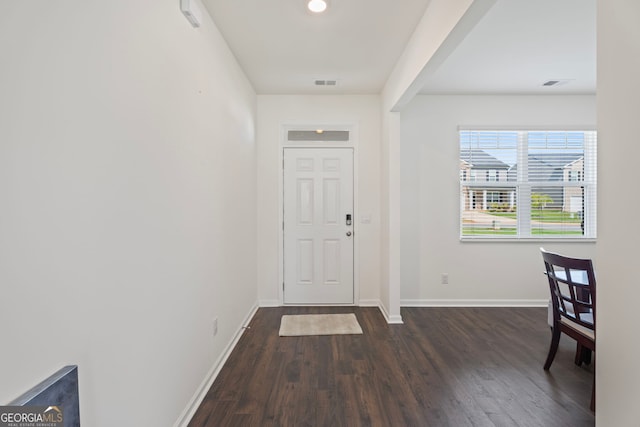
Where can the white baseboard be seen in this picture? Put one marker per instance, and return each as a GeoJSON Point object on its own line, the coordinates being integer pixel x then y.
{"type": "Point", "coordinates": [369, 303]}
{"type": "Point", "coordinates": [200, 394]}
{"type": "Point", "coordinates": [361, 303]}
{"type": "Point", "coordinates": [383, 310]}
{"type": "Point", "coordinates": [269, 303]}
{"type": "Point", "coordinates": [392, 320]}
{"type": "Point", "coordinates": [473, 303]}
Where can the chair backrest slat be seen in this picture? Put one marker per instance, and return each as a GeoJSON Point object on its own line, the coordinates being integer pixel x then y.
{"type": "Point", "coordinates": [572, 285]}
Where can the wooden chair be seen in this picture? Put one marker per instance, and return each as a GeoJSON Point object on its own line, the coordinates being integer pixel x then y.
{"type": "Point", "coordinates": [572, 284]}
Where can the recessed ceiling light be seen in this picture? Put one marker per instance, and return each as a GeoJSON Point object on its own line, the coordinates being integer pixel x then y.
{"type": "Point", "coordinates": [317, 6]}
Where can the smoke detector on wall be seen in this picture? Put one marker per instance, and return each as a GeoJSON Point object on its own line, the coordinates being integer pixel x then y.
{"type": "Point", "coordinates": [191, 10]}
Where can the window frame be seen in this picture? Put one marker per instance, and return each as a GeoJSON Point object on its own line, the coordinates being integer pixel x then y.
{"type": "Point", "coordinates": [523, 187]}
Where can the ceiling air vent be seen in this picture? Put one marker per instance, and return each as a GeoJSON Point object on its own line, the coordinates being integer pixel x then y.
{"type": "Point", "coordinates": [556, 82]}
{"type": "Point", "coordinates": [326, 82]}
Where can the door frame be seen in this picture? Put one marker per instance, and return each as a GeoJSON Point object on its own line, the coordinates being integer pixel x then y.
{"type": "Point", "coordinates": [351, 144]}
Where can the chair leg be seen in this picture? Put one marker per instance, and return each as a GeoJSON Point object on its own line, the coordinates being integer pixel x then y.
{"type": "Point", "coordinates": [593, 394]}
{"type": "Point", "coordinates": [583, 355]}
{"type": "Point", "coordinates": [579, 354]}
{"type": "Point", "coordinates": [553, 348]}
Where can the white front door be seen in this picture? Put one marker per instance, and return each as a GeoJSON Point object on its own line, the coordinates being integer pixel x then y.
{"type": "Point", "coordinates": [318, 226]}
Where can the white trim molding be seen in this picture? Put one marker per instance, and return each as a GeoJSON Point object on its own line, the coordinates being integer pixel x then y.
{"type": "Point", "coordinates": [391, 319]}
{"type": "Point", "coordinates": [369, 303]}
{"type": "Point", "coordinates": [269, 303]}
{"type": "Point", "coordinates": [353, 143]}
{"type": "Point", "coordinates": [473, 303]}
{"type": "Point", "coordinates": [202, 391]}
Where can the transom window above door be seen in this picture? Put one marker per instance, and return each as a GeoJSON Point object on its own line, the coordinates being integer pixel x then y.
{"type": "Point", "coordinates": [319, 135]}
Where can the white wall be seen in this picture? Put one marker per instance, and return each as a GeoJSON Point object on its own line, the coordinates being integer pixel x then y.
{"type": "Point", "coordinates": [127, 180]}
{"type": "Point", "coordinates": [478, 272]}
{"type": "Point", "coordinates": [277, 110]}
{"type": "Point", "coordinates": [617, 373]}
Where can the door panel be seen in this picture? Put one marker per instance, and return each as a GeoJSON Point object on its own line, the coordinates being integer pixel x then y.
{"type": "Point", "coordinates": [305, 202]}
{"type": "Point", "coordinates": [331, 262]}
{"type": "Point", "coordinates": [318, 243]}
{"type": "Point", "coordinates": [331, 199]}
{"type": "Point", "coordinates": [305, 262]}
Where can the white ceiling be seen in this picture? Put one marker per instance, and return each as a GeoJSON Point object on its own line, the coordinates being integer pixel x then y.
{"type": "Point", "coordinates": [517, 46]}
{"type": "Point", "coordinates": [520, 44]}
{"type": "Point", "coordinates": [284, 48]}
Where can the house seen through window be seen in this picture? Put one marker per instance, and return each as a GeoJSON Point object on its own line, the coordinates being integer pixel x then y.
{"type": "Point", "coordinates": [527, 184]}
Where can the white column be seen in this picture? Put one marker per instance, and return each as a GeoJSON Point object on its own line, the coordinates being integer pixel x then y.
{"type": "Point", "coordinates": [390, 297]}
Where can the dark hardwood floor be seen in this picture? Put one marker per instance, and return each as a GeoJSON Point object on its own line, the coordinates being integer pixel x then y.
{"type": "Point", "coordinates": [443, 367]}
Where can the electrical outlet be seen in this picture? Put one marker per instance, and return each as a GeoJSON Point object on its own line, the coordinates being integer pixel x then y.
{"type": "Point", "coordinates": [445, 278]}
{"type": "Point", "coordinates": [215, 326]}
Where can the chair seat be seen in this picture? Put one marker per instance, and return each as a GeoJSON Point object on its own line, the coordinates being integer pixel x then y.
{"type": "Point", "coordinates": [587, 317]}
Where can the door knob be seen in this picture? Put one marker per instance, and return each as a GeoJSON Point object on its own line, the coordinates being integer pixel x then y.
{"type": "Point", "coordinates": [348, 233]}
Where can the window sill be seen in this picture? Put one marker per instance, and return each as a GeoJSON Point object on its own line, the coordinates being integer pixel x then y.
{"type": "Point", "coordinates": [525, 240]}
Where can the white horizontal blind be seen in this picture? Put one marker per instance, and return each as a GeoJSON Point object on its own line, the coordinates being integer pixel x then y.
{"type": "Point", "coordinates": [527, 184]}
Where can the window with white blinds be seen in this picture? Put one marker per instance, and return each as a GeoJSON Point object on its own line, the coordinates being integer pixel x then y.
{"type": "Point", "coordinates": [528, 184]}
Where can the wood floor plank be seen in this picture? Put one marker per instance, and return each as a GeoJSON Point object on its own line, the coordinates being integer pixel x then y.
{"type": "Point", "coordinates": [443, 367]}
